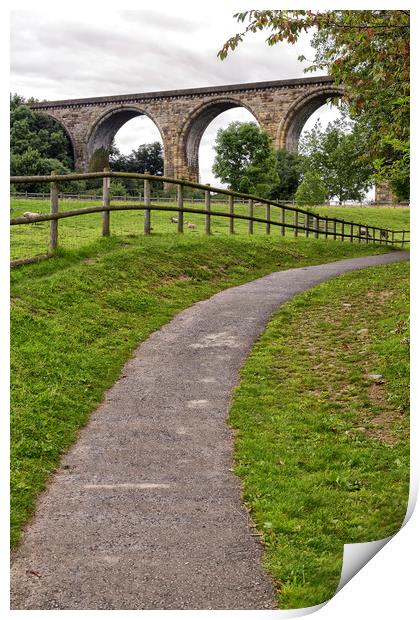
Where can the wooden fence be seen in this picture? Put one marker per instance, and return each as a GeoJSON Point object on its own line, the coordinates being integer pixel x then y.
{"type": "Point", "coordinates": [303, 222]}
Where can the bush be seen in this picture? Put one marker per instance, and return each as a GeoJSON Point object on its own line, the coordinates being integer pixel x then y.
{"type": "Point", "coordinates": [117, 188]}
{"type": "Point", "coordinates": [311, 190]}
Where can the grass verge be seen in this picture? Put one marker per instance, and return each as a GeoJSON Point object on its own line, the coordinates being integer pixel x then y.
{"type": "Point", "coordinates": [320, 444]}
{"type": "Point", "coordinates": [76, 318]}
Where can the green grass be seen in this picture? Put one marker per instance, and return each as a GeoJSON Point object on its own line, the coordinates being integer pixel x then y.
{"type": "Point", "coordinates": [32, 239]}
{"type": "Point", "coordinates": [76, 318]}
{"type": "Point", "coordinates": [321, 447]}
{"type": "Point", "coordinates": [397, 218]}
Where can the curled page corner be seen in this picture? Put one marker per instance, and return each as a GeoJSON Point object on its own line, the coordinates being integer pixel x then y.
{"type": "Point", "coordinates": [356, 555]}
{"type": "Point", "coordinates": [297, 613]}
{"type": "Point", "coordinates": [278, 614]}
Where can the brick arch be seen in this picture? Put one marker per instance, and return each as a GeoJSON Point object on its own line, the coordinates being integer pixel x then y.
{"type": "Point", "coordinates": [290, 128]}
{"type": "Point", "coordinates": [104, 129]}
{"type": "Point", "coordinates": [66, 130]}
{"type": "Point", "coordinates": [196, 124]}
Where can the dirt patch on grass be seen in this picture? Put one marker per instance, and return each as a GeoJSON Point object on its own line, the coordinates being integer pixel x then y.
{"type": "Point", "coordinates": [182, 277]}
{"type": "Point", "coordinates": [89, 261]}
{"type": "Point", "coordinates": [381, 425]}
{"type": "Point", "coordinates": [380, 296]}
{"type": "Point", "coordinates": [15, 302]}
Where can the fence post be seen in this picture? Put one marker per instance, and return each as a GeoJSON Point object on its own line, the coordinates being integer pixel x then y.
{"type": "Point", "coordinates": [146, 192]}
{"type": "Point", "coordinates": [267, 217]}
{"type": "Point", "coordinates": [335, 229]}
{"type": "Point", "coordinates": [207, 209]}
{"type": "Point", "coordinates": [295, 223]}
{"type": "Point", "coordinates": [231, 212]}
{"type": "Point", "coordinates": [393, 238]}
{"type": "Point", "coordinates": [106, 182]}
{"type": "Point", "coordinates": [367, 234]}
{"type": "Point", "coordinates": [403, 238]}
{"type": "Point", "coordinates": [53, 209]}
{"type": "Point", "coordinates": [306, 225]}
{"type": "Point", "coordinates": [316, 226]}
{"type": "Point", "coordinates": [351, 232]}
{"type": "Point", "coordinates": [282, 221]}
{"type": "Point", "coordinates": [250, 214]}
{"type": "Point", "coordinates": [180, 201]}
{"type": "Point", "coordinates": [326, 227]}
{"type": "Point", "coordinates": [342, 230]}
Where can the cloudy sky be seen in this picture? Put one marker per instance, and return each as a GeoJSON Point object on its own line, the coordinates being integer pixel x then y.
{"type": "Point", "coordinates": [82, 54]}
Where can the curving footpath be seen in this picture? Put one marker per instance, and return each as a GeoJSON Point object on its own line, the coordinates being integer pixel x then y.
{"type": "Point", "coordinates": [144, 511]}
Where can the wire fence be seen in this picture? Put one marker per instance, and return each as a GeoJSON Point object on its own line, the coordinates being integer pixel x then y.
{"type": "Point", "coordinates": [130, 196]}
{"type": "Point", "coordinates": [42, 222]}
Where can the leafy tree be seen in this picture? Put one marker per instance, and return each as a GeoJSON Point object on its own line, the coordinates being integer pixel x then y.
{"type": "Point", "coordinates": [311, 190]}
{"type": "Point", "coordinates": [117, 188]}
{"type": "Point", "coordinates": [366, 51]}
{"type": "Point", "coordinates": [35, 132]}
{"type": "Point", "coordinates": [146, 158]}
{"type": "Point", "coordinates": [289, 169]}
{"type": "Point", "coordinates": [245, 159]}
{"type": "Point", "coordinates": [338, 155]}
{"type": "Point", "coordinates": [32, 163]}
{"type": "Point", "coordinates": [38, 145]}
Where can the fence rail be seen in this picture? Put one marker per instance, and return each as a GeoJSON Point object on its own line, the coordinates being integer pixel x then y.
{"type": "Point", "coordinates": [279, 216]}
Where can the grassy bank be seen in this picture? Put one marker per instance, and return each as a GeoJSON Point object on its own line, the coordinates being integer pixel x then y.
{"type": "Point", "coordinates": [76, 318]}
{"type": "Point", "coordinates": [397, 218]}
{"type": "Point", "coordinates": [76, 232]}
{"type": "Point", "coordinates": [321, 444]}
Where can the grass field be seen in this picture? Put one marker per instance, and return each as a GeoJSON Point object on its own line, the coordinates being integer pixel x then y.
{"type": "Point", "coordinates": [32, 239]}
{"type": "Point", "coordinates": [397, 218]}
{"type": "Point", "coordinates": [76, 318]}
{"type": "Point", "coordinates": [322, 447]}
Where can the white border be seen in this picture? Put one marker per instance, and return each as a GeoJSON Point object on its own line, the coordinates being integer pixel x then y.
{"type": "Point", "coordinates": [387, 586]}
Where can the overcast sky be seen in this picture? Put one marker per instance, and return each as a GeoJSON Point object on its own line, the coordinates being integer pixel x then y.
{"type": "Point", "coordinates": [60, 55]}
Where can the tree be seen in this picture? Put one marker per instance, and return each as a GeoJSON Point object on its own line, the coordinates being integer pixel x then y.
{"type": "Point", "coordinates": [366, 51]}
{"type": "Point", "coordinates": [146, 158]}
{"type": "Point", "coordinates": [338, 155]}
{"type": "Point", "coordinates": [37, 134]}
{"type": "Point", "coordinates": [245, 159]}
{"type": "Point", "coordinates": [311, 190]}
{"type": "Point", "coordinates": [38, 145]}
{"type": "Point", "coordinates": [289, 169]}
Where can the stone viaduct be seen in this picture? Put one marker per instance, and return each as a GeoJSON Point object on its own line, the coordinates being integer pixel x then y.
{"type": "Point", "coordinates": [280, 107]}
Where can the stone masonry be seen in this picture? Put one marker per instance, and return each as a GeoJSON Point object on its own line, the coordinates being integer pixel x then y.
{"type": "Point", "coordinates": [280, 107]}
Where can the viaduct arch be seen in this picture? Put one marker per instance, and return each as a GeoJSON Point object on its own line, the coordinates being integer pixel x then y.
{"type": "Point", "coordinates": [281, 107]}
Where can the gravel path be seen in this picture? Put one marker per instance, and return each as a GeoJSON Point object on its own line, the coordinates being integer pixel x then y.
{"type": "Point", "coordinates": [144, 511]}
